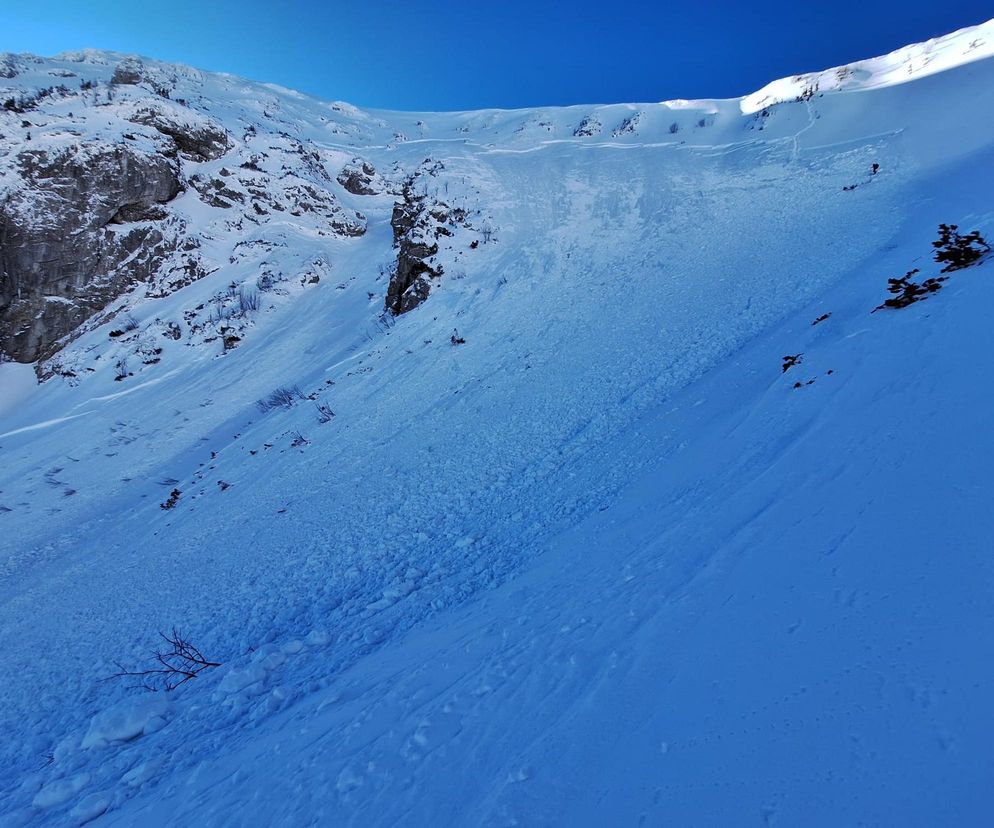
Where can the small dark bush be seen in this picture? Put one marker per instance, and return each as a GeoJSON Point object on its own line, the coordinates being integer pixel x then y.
{"type": "Point", "coordinates": [280, 398]}
{"type": "Point", "coordinates": [790, 361]}
{"type": "Point", "coordinates": [957, 251]}
{"type": "Point", "coordinates": [173, 499]}
{"type": "Point", "coordinates": [907, 292]}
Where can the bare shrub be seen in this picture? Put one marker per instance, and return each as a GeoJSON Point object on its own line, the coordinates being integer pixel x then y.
{"type": "Point", "coordinates": [218, 314]}
{"type": "Point", "coordinates": [173, 665]}
{"type": "Point", "coordinates": [283, 397]}
{"type": "Point", "coordinates": [248, 300]}
{"type": "Point", "coordinates": [324, 412]}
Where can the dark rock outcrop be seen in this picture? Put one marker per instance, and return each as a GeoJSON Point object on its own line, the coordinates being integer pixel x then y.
{"type": "Point", "coordinates": [202, 140]}
{"type": "Point", "coordinates": [358, 178]}
{"type": "Point", "coordinates": [629, 126]}
{"type": "Point", "coordinates": [69, 243]}
{"type": "Point", "coordinates": [291, 195]}
{"type": "Point", "coordinates": [128, 72]}
{"type": "Point", "coordinates": [88, 174]}
{"type": "Point", "coordinates": [8, 66]}
{"type": "Point", "coordinates": [588, 126]}
{"type": "Point", "coordinates": [411, 281]}
{"type": "Point", "coordinates": [303, 198]}
{"type": "Point", "coordinates": [418, 221]}
{"type": "Point", "coordinates": [216, 192]}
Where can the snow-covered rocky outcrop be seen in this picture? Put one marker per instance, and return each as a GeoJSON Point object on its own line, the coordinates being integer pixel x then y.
{"type": "Point", "coordinates": [83, 224]}
{"type": "Point", "coordinates": [113, 175]}
{"type": "Point", "coordinates": [602, 465]}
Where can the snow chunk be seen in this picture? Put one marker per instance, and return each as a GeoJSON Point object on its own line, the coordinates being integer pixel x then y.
{"type": "Point", "coordinates": [142, 773]}
{"type": "Point", "coordinates": [90, 807]}
{"type": "Point", "coordinates": [238, 679]}
{"type": "Point", "coordinates": [317, 638]}
{"type": "Point", "coordinates": [272, 661]}
{"type": "Point", "coordinates": [59, 791]}
{"type": "Point", "coordinates": [65, 748]}
{"type": "Point", "coordinates": [348, 780]}
{"type": "Point", "coordinates": [125, 721]}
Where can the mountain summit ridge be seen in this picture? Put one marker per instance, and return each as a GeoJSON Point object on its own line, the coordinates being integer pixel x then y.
{"type": "Point", "coordinates": [935, 54]}
{"type": "Point", "coordinates": [169, 115]}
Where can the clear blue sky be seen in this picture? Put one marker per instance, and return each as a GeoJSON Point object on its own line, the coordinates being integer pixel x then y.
{"type": "Point", "coordinates": [414, 54]}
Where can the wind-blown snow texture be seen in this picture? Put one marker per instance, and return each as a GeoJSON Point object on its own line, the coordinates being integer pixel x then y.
{"type": "Point", "coordinates": [601, 564]}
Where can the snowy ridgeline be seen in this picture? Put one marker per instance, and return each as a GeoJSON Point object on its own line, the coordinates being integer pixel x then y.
{"type": "Point", "coordinates": [663, 505]}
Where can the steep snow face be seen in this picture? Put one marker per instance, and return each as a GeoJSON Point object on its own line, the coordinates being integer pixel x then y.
{"type": "Point", "coordinates": [902, 65]}
{"type": "Point", "coordinates": [564, 543]}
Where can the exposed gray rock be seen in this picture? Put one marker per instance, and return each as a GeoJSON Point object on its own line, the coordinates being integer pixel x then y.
{"type": "Point", "coordinates": [129, 71]}
{"type": "Point", "coordinates": [629, 126]}
{"type": "Point", "coordinates": [8, 66]}
{"type": "Point", "coordinates": [358, 178]}
{"type": "Point", "coordinates": [216, 192]}
{"type": "Point", "coordinates": [86, 192]}
{"type": "Point", "coordinates": [410, 283]}
{"type": "Point", "coordinates": [587, 127]}
{"type": "Point", "coordinates": [290, 194]}
{"type": "Point", "coordinates": [130, 213]}
{"type": "Point", "coordinates": [202, 140]}
{"type": "Point", "coordinates": [417, 223]}
{"type": "Point", "coordinates": [306, 198]}
{"type": "Point", "coordinates": [67, 243]}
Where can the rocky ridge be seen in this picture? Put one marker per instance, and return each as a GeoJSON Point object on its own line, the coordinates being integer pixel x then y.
{"type": "Point", "coordinates": [122, 179]}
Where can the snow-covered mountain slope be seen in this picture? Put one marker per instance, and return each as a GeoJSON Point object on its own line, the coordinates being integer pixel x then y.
{"type": "Point", "coordinates": [605, 561]}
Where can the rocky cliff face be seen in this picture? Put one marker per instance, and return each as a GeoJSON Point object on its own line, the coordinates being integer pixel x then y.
{"type": "Point", "coordinates": [419, 220]}
{"type": "Point", "coordinates": [116, 174]}
{"type": "Point", "coordinates": [89, 223]}
{"type": "Point", "coordinates": [416, 241]}
{"type": "Point", "coordinates": [168, 208]}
